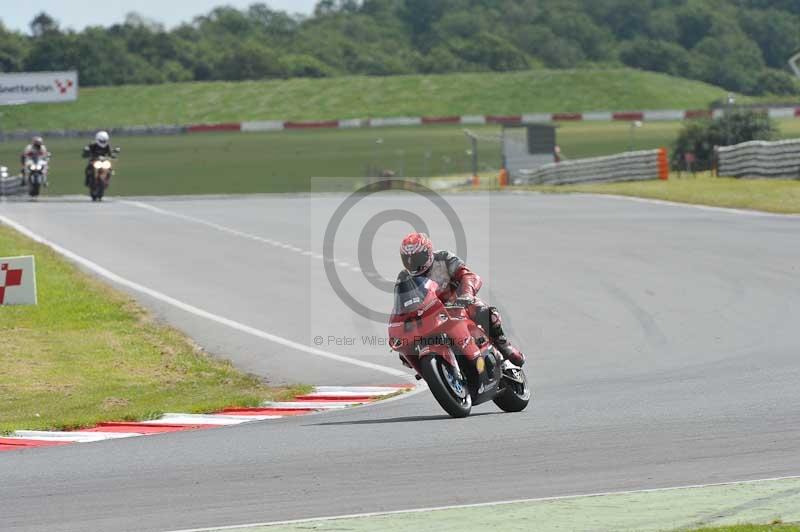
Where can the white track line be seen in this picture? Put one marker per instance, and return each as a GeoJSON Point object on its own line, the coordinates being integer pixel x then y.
{"type": "Point", "coordinates": [235, 232]}
{"type": "Point", "coordinates": [99, 270]}
{"type": "Point", "coordinates": [485, 504]}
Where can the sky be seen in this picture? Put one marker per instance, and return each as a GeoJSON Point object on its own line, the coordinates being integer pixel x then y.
{"type": "Point", "coordinates": [75, 14]}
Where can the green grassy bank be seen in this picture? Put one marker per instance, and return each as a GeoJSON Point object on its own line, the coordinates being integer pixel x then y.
{"type": "Point", "coordinates": [87, 353]}
{"type": "Point", "coordinates": [363, 97]}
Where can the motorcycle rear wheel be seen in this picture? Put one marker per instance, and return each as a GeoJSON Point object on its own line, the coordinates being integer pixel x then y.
{"type": "Point", "coordinates": [516, 396]}
{"type": "Point", "coordinates": [453, 398]}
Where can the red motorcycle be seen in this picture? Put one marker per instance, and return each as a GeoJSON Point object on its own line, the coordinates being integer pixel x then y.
{"type": "Point", "coordinates": [452, 353]}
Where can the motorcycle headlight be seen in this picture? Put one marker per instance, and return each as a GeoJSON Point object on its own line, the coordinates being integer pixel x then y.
{"type": "Point", "coordinates": [98, 164]}
{"type": "Point", "coordinates": [106, 165]}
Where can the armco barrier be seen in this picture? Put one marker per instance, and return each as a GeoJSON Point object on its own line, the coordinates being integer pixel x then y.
{"type": "Point", "coordinates": [321, 124]}
{"type": "Point", "coordinates": [11, 186]}
{"type": "Point", "coordinates": [760, 159]}
{"type": "Point", "coordinates": [433, 120]}
{"type": "Point", "coordinates": [143, 131]}
{"type": "Point", "coordinates": [262, 125]}
{"type": "Point", "coordinates": [404, 121]}
{"type": "Point", "coordinates": [214, 128]}
{"type": "Point", "coordinates": [630, 166]}
{"type": "Point", "coordinates": [400, 121]}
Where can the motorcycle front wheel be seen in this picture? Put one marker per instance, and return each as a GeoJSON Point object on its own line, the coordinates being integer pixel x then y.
{"type": "Point", "coordinates": [450, 391]}
{"type": "Point", "coordinates": [97, 190]}
{"type": "Point", "coordinates": [517, 394]}
{"type": "Point", "coordinates": [34, 190]}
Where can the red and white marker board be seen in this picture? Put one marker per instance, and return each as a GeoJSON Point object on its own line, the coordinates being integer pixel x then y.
{"type": "Point", "coordinates": [18, 281]}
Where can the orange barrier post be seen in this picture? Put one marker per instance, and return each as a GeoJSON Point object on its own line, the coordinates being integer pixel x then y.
{"type": "Point", "coordinates": [502, 179]}
{"type": "Point", "coordinates": [663, 164]}
{"type": "Point", "coordinates": [476, 181]}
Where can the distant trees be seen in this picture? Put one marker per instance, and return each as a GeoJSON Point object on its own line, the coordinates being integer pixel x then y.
{"type": "Point", "coordinates": [13, 50]}
{"type": "Point", "coordinates": [741, 45]}
{"type": "Point", "coordinates": [658, 56]}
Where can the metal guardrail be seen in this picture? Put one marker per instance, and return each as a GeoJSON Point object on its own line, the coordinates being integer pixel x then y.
{"type": "Point", "coordinates": [760, 159]}
{"type": "Point", "coordinates": [11, 186]}
{"type": "Point", "coordinates": [629, 166]}
{"type": "Point", "coordinates": [140, 131]}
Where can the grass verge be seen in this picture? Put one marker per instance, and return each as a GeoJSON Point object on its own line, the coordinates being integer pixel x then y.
{"type": "Point", "coordinates": [778, 196]}
{"type": "Point", "coordinates": [775, 527]}
{"type": "Point", "coordinates": [613, 89]}
{"type": "Point", "coordinates": [88, 354]}
{"type": "Point", "coordinates": [284, 161]}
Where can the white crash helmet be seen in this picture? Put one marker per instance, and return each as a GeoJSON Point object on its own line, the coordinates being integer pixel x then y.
{"type": "Point", "coordinates": [102, 138]}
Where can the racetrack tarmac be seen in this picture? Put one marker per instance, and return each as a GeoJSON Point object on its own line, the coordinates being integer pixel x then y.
{"type": "Point", "coordinates": [663, 346]}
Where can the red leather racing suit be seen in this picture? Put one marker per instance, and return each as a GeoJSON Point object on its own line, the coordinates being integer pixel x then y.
{"type": "Point", "coordinates": [456, 280]}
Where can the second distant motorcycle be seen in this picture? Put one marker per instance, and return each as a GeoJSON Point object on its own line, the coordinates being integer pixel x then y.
{"type": "Point", "coordinates": [35, 174]}
{"type": "Point", "coordinates": [35, 160]}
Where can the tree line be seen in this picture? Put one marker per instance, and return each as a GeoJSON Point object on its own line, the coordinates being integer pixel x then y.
{"type": "Point", "coordinates": [741, 45]}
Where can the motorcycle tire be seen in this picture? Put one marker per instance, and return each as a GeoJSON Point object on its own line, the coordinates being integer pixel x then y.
{"type": "Point", "coordinates": [515, 396]}
{"type": "Point", "coordinates": [97, 191]}
{"type": "Point", "coordinates": [34, 190]}
{"type": "Point", "coordinates": [433, 370]}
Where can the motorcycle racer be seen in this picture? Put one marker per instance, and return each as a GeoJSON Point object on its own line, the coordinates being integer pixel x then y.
{"type": "Point", "coordinates": [101, 147]}
{"type": "Point", "coordinates": [457, 284]}
{"type": "Point", "coordinates": [35, 150]}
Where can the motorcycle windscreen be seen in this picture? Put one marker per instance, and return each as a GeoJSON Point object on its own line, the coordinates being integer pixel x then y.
{"type": "Point", "coordinates": [410, 293]}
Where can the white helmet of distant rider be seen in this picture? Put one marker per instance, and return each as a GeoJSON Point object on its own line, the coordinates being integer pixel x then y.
{"type": "Point", "coordinates": [102, 138]}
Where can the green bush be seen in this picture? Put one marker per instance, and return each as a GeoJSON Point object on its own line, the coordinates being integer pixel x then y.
{"type": "Point", "coordinates": [701, 136]}
{"type": "Point", "coordinates": [306, 66]}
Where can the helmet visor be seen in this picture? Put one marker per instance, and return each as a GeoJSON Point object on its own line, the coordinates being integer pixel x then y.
{"type": "Point", "coordinates": [416, 263]}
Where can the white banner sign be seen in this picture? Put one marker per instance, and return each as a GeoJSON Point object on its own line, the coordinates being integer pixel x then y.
{"type": "Point", "coordinates": [38, 87]}
{"type": "Point", "coordinates": [17, 281]}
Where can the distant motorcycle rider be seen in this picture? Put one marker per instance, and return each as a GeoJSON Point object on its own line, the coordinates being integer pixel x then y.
{"type": "Point", "coordinates": [101, 147]}
{"type": "Point", "coordinates": [457, 284]}
{"type": "Point", "coordinates": [35, 150]}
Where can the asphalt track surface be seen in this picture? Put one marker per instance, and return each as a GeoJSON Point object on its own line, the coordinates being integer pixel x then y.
{"type": "Point", "coordinates": [663, 343]}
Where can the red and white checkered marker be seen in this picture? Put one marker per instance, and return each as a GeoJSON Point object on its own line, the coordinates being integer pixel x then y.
{"type": "Point", "coordinates": [18, 281]}
{"type": "Point", "coordinates": [323, 398]}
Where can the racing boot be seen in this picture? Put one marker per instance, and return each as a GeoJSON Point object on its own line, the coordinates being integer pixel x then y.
{"type": "Point", "coordinates": [502, 343]}
{"type": "Point", "coordinates": [510, 352]}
